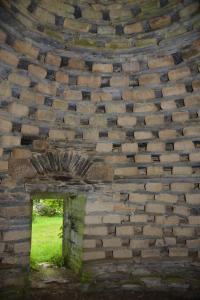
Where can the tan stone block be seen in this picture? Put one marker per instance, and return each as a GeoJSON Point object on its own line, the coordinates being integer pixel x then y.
{"type": "Point", "coordinates": [170, 241]}
{"type": "Point", "coordinates": [29, 129]}
{"type": "Point", "coordinates": [184, 145]}
{"type": "Point", "coordinates": [2, 37]}
{"type": "Point", "coordinates": [61, 105]}
{"type": "Point", "coordinates": [89, 244]}
{"type": "Point", "coordinates": [37, 71]}
{"type": "Point", "coordinates": [174, 90]}
{"type": "Point", "coordinates": [18, 153]}
{"type": "Point", "coordinates": [150, 78]}
{"type": "Point", "coordinates": [100, 171]}
{"type": "Point", "coordinates": [168, 158]}
{"type": "Point", "coordinates": [93, 219]}
{"type": "Point", "coordinates": [156, 146]}
{"type": "Point", "coordinates": [139, 244]}
{"type": "Point", "coordinates": [91, 134]}
{"type": "Point", "coordinates": [168, 105]}
{"type": "Point", "coordinates": [142, 158]}
{"type": "Point", "coordinates": [45, 115]}
{"type": "Point", "coordinates": [46, 88]}
{"type": "Point", "coordinates": [112, 219]}
{"type": "Point", "coordinates": [28, 97]}
{"type": "Point", "coordinates": [160, 62]}
{"type": "Point", "coordinates": [193, 243]}
{"type": "Point", "coordinates": [143, 135]}
{"type": "Point", "coordinates": [10, 140]}
{"type": "Point", "coordinates": [3, 166]}
{"type": "Point", "coordinates": [139, 198]}
{"type": "Point", "coordinates": [93, 255]}
{"type": "Point", "coordinates": [99, 206]}
{"type": "Point", "coordinates": [27, 48]}
{"type": "Point", "coordinates": [182, 186]}
{"type": "Point", "coordinates": [155, 171]}
{"type": "Point", "coordinates": [168, 198]}
{"type": "Point", "coordinates": [127, 121]}
{"type": "Point", "coordinates": [132, 66]}
{"type": "Point", "coordinates": [62, 77]}
{"type": "Point", "coordinates": [179, 73]}
{"type": "Point", "coordinates": [194, 220]}
{"type": "Point", "coordinates": [14, 235]}
{"type": "Point", "coordinates": [96, 230]}
{"type": "Point", "coordinates": [124, 230]}
{"type": "Point", "coordinates": [167, 134]}
{"type": "Point", "coordinates": [23, 247]}
{"type": "Point", "coordinates": [1, 152]}
{"type": "Point", "coordinates": [152, 230]}
{"type": "Point", "coordinates": [169, 220]}
{"type": "Point", "coordinates": [155, 208]}
{"type": "Point", "coordinates": [180, 116]}
{"type": "Point", "coordinates": [182, 170]}
{"type": "Point", "coordinates": [160, 22]}
{"type": "Point", "coordinates": [76, 63]}
{"type": "Point", "coordinates": [154, 186]}
{"type": "Point", "coordinates": [9, 58]}
{"type": "Point", "coordinates": [98, 121]}
{"type": "Point", "coordinates": [150, 253]}
{"type": "Point", "coordinates": [53, 59]}
{"type": "Point", "coordinates": [119, 81]}
{"type": "Point", "coordinates": [133, 28]}
{"type": "Point", "coordinates": [196, 85]}
{"type": "Point", "coordinates": [89, 81]}
{"type": "Point", "coordinates": [193, 199]}
{"type": "Point", "coordinates": [139, 218]}
{"type": "Point", "coordinates": [141, 107]}
{"type": "Point", "coordinates": [183, 231]}
{"type": "Point", "coordinates": [130, 147]}
{"type": "Point", "coordinates": [85, 107]}
{"type": "Point", "coordinates": [115, 108]}
{"type": "Point", "coordinates": [181, 210]}
{"type": "Point", "coordinates": [104, 147]}
{"type": "Point", "coordinates": [101, 96]}
{"type": "Point", "coordinates": [178, 252]}
{"type": "Point", "coordinates": [5, 126]}
{"type": "Point", "coordinates": [57, 134]}
{"type": "Point", "coordinates": [191, 131]}
{"type": "Point", "coordinates": [115, 159]}
{"type": "Point", "coordinates": [112, 242]}
{"type": "Point", "coordinates": [19, 79]}
{"type": "Point", "coordinates": [192, 100]}
{"type": "Point", "coordinates": [40, 145]}
{"type": "Point", "coordinates": [138, 94]}
{"type": "Point", "coordinates": [72, 95]}
{"type": "Point", "coordinates": [19, 110]}
{"type": "Point", "coordinates": [75, 25]}
{"type": "Point", "coordinates": [152, 120]}
{"type": "Point", "coordinates": [5, 89]}
{"type": "Point", "coordinates": [102, 68]}
{"type": "Point", "coordinates": [123, 253]}
{"type": "Point", "coordinates": [126, 171]}
{"type": "Point", "coordinates": [44, 15]}
{"type": "Point", "coordinates": [195, 156]}
{"type": "Point", "coordinates": [189, 10]}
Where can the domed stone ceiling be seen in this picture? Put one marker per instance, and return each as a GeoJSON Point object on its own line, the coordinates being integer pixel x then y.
{"type": "Point", "coordinates": [108, 90]}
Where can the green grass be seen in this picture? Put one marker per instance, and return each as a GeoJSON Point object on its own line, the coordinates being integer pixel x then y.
{"type": "Point", "coordinates": [46, 243]}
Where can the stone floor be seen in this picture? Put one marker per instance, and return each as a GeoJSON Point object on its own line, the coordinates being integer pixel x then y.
{"type": "Point", "coordinates": [144, 283]}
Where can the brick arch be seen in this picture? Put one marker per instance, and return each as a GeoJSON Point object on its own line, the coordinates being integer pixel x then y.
{"type": "Point", "coordinates": [62, 165]}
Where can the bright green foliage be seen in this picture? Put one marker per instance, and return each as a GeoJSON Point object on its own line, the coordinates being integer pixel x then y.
{"type": "Point", "coordinates": [46, 243]}
{"type": "Point", "coordinates": [48, 207]}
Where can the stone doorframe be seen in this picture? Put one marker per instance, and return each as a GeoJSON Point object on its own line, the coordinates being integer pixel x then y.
{"type": "Point", "coordinates": [59, 172]}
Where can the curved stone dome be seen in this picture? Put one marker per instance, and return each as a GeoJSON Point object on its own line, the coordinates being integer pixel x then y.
{"type": "Point", "coordinates": [114, 86]}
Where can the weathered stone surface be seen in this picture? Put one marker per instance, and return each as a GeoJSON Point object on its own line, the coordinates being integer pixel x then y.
{"type": "Point", "coordinates": [21, 168]}
{"type": "Point", "coordinates": [100, 171]}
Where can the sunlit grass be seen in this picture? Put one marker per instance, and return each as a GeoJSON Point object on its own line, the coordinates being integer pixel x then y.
{"type": "Point", "coordinates": [46, 243]}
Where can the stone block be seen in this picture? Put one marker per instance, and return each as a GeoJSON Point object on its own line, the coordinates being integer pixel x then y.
{"type": "Point", "coordinates": [194, 220]}
{"type": "Point", "coordinates": [167, 198]}
{"type": "Point", "coordinates": [139, 244]}
{"type": "Point", "coordinates": [99, 206]}
{"type": "Point", "coordinates": [21, 168]}
{"type": "Point", "coordinates": [26, 48]}
{"type": "Point", "coordinates": [45, 115]}
{"type": "Point", "coordinates": [9, 57]}
{"type": "Point", "coordinates": [53, 59]}
{"type": "Point", "coordinates": [122, 253]}
{"type": "Point", "coordinates": [3, 166]}
{"type": "Point", "coordinates": [112, 219]}
{"type": "Point", "coordinates": [193, 199]}
{"type": "Point", "coordinates": [126, 121]}
{"type": "Point", "coordinates": [183, 231]}
{"type": "Point", "coordinates": [75, 25]}
{"type": "Point", "coordinates": [182, 186]}
{"type": "Point", "coordinates": [37, 71]}
{"type": "Point", "coordinates": [182, 170]}
{"type": "Point", "coordinates": [101, 96]}
{"type": "Point", "coordinates": [139, 218]}
{"type": "Point", "coordinates": [141, 107]}
{"type": "Point", "coordinates": [191, 131]}
{"type": "Point", "coordinates": [119, 81]}
{"type": "Point", "coordinates": [102, 68]}
{"type": "Point", "coordinates": [5, 126]}
{"type": "Point", "coordinates": [76, 63]}
{"type": "Point", "coordinates": [95, 219]}
{"type": "Point", "coordinates": [156, 146]}
{"type": "Point", "coordinates": [139, 198]}
{"type": "Point", "coordinates": [142, 158]}
{"type": "Point", "coordinates": [93, 255]}
{"type": "Point", "coordinates": [46, 88]}
{"type": "Point", "coordinates": [115, 108]}
{"type": "Point", "coordinates": [72, 95]}
{"type": "Point", "coordinates": [132, 66]}
{"type": "Point", "coordinates": [89, 244]}
{"type": "Point", "coordinates": [18, 110]}
{"type": "Point", "coordinates": [193, 243]}
{"type": "Point", "coordinates": [14, 235]}
{"type": "Point", "coordinates": [176, 89]}
{"type": "Point", "coordinates": [169, 158]}
{"type": "Point", "coordinates": [10, 141]}
{"type": "Point", "coordinates": [180, 116]}
{"type": "Point", "coordinates": [133, 28]}
{"type": "Point", "coordinates": [104, 147]}
{"type": "Point", "coordinates": [96, 230]}
{"type": "Point", "coordinates": [149, 78]}
{"type": "Point", "coordinates": [113, 242]}
{"type": "Point", "coordinates": [61, 105]}
{"type": "Point", "coordinates": [29, 129]}
{"type": "Point", "coordinates": [143, 135]}
{"type": "Point", "coordinates": [23, 247]}
{"type": "Point", "coordinates": [155, 171]}
{"type": "Point", "coordinates": [130, 147]}
{"type": "Point", "coordinates": [152, 231]}
{"type": "Point", "coordinates": [147, 253]}
{"type": "Point", "coordinates": [19, 79]}
{"type": "Point", "coordinates": [21, 153]}
{"type": "Point", "coordinates": [167, 134]}
{"type": "Point", "coordinates": [153, 120]}
{"type": "Point", "coordinates": [160, 62]}
{"type": "Point", "coordinates": [192, 100]}
{"type": "Point", "coordinates": [62, 77]}
{"type": "Point", "coordinates": [100, 172]}
{"type": "Point", "coordinates": [178, 252]}
{"type": "Point", "coordinates": [160, 22]}
{"type": "Point", "coordinates": [184, 145]}
{"type": "Point", "coordinates": [155, 208]}
{"type": "Point", "coordinates": [138, 94]}
{"type": "Point", "coordinates": [89, 81]}
{"type": "Point", "coordinates": [2, 37]}
{"type": "Point", "coordinates": [154, 186]}
{"type": "Point", "coordinates": [57, 134]}
{"type": "Point", "coordinates": [179, 73]}
{"type": "Point", "coordinates": [126, 171]}
{"type": "Point", "coordinates": [126, 230]}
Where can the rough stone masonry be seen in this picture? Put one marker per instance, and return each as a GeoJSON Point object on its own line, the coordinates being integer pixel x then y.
{"type": "Point", "coordinates": [101, 99]}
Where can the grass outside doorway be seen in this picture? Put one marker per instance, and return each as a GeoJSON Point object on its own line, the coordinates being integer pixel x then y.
{"type": "Point", "coordinates": [46, 240]}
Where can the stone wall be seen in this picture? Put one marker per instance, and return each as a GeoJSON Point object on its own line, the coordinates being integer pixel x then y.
{"type": "Point", "coordinates": [101, 99]}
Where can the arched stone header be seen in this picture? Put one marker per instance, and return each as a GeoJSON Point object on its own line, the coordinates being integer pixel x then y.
{"type": "Point", "coordinates": [60, 164]}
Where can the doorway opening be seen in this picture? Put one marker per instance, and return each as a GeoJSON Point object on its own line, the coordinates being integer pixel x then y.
{"type": "Point", "coordinates": [47, 230]}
